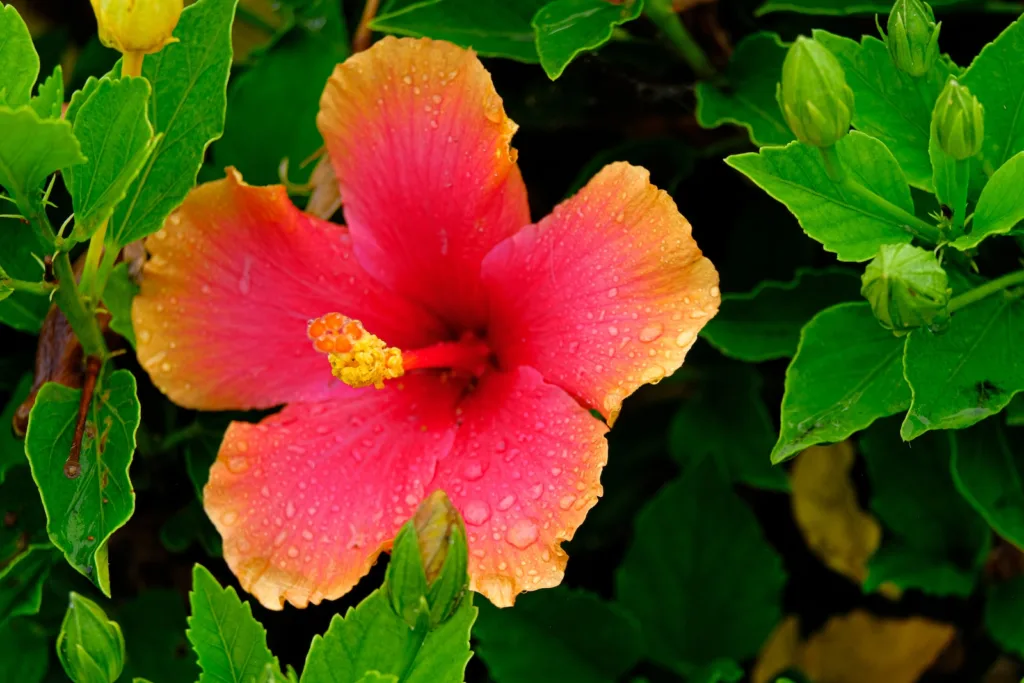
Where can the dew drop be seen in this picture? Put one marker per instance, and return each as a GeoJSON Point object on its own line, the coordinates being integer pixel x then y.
{"type": "Point", "coordinates": [229, 518]}
{"type": "Point", "coordinates": [684, 338]}
{"type": "Point", "coordinates": [651, 332]}
{"type": "Point", "coordinates": [506, 502]}
{"type": "Point", "coordinates": [293, 552]}
{"type": "Point", "coordinates": [238, 464]}
{"type": "Point", "coordinates": [612, 292]}
{"type": "Point", "coordinates": [476, 512]}
{"type": "Point", "coordinates": [654, 373]}
{"type": "Point", "coordinates": [473, 470]}
{"type": "Point", "coordinates": [535, 491]}
{"type": "Point", "coordinates": [566, 502]}
{"type": "Point", "coordinates": [522, 533]}
{"type": "Point", "coordinates": [289, 510]}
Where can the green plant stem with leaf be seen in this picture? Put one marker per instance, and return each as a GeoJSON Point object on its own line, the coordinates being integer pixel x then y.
{"type": "Point", "coordinates": [988, 289]}
{"type": "Point", "coordinates": [926, 232]}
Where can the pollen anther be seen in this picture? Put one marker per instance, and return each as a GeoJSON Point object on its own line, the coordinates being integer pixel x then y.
{"type": "Point", "coordinates": [358, 358]}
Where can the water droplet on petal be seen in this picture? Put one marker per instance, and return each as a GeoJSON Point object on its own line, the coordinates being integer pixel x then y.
{"type": "Point", "coordinates": [566, 502]}
{"type": "Point", "coordinates": [522, 533]}
{"type": "Point", "coordinates": [238, 464]}
{"type": "Point", "coordinates": [476, 512]}
{"type": "Point", "coordinates": [229, 518]}
{"type": "Point", "coordinates": [506, 502]}
{"type": "Point", "coordinates": [684, 338]}
{"type": "Point", "coordinates": [651, 332]}
{"type": "Point", "coordinates": [612, 292]}
{"type": "Point", "coordinates": [473, 470]}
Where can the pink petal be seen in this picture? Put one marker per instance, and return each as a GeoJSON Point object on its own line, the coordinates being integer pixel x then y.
{"type": "Point", "coordinates": [308, 498]}
{"type": "Point", "coordinates": [235, 275]}
{"type": "Point", "coordinates": [420, 145]}
{"type": "Point", "coordinates": [524, 471]}
{"type": "Point", "coordinates": [605, 294]}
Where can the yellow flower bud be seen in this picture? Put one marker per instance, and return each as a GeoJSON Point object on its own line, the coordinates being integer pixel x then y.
{"type": "Point", "coordinates": [137, 26]}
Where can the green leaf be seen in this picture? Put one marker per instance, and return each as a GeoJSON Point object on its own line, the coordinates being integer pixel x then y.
{"type": "Point", "coordinates": [1001, 205]}
{"type": "Point", "coordinates": [1003, 607]}
{"type": "Point", "coordinates": [697, 607]}
{"type": "Point", "coordinates": [935, 541]}
{"type": "Point", "coordinates": [493, 29]}
{"type": "Point", "coordinates": [371, 637]}
{"type": "Point", "coordinates": [989, 474]}
{"type": "Point", "coordinates": [542, 633]}
{"type": "Point", "coordinates": [1015, 411]}
{"type": "Point", "coordinates": [190, 525]}
{"type": "Point", "coordinates": [995, 80]}
{"type": "Point", "coordinates": [727, 420]}
{"type": "Point", "coordinates": [22, 579]}
{"type": "Point", "coordinates": [32, 148]}
{"type": "Point", "coordinates": [50, 100]}
{"type": "Point", "coordinates": [565, 28]}
{"type": "Point", "coordinates": [847, 225]}
{"type": "Point", "coordinates": [892, 106]}
{"type": "Point", "coordinates": [19, 64]}
{"type": "Point", "coordinates": [19, 501]}
{"type": "Point", "coordinates": [12, 449]}
{"type": "Point", "coordinates": [117, 297]}
{"type": "Point", "coordinates": [847, 373]}
{"type": "Point", "coordinates": [377, 677]}
{"type": "Point", "coordinates": [718, 671]}
{"type": "Point", "coordinates": [765, 323]}
{"type": "Point", "coordinates": [25, 648]}
{"type": "Point", "coordinates": [82, 513]}
{"type": "Point", "coordinates": [753, 72]}
{"type": "Point", "coordinates": [968, 372]}
{"type": "Point", "coordinates": [154, 633]}
{"type": "Point", "coordinates": [20, 246]}
{"type": "Point", "coordinates": [189, 80]}
{"type": "Point", "coordinates": [838, 7]}
{"type": "Point", "coordinates": [294, 70]}
{"type": "Point", "coordinates": [117, 139]}
{"type": "Point", "coordinates": [230, 643]}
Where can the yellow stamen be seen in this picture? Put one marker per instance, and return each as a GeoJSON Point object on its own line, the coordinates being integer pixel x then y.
{"type": "Point", "coordinates": [358, 358]}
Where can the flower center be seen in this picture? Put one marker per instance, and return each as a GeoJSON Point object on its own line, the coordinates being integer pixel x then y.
{"type": "Point", "coordinates": [360, 359]}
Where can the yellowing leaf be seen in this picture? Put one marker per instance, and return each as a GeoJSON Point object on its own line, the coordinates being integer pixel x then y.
{"type": "Point", "coordinates": [825, 506]}
{"type": "Point", "coordinates": [858, 647]}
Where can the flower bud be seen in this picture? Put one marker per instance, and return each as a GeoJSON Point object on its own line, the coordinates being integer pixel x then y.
{"type": "Point", "coordinates": [90, 646]}
{"type": "Point", "coordinates": [913, 39]}
{"type": "Point", "coordinates": [813, 95]}
{"type": "Point", "coordinates": [140, 26]}
{"type": "Point", "coordinates": [906, 287]}
{"type": "Point", "coordinates": [427, 578]}
{"type": "Point", "coordinates": [959, 121]}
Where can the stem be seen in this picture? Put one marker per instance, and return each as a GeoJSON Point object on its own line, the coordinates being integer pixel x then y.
{"type": "Point", "coordinates": [43, 288]}
{"type": "Point", "coordinates": [83, 322]}
{"type": "Point", "coordinates": [926, 232]}
{"type": "Point", "coordinates": [363, 35]}
{"type": "Point", "coordinates": [103, 274]}
{"type": "Point", "coordinates": [985, 290]}
{"type": "Point", "coordinates": [72, 466]}
{"type": "Point", "coordinates": [412, 648]}
{"type": "Point", "coordinates": [131, 64]}
{"type": "Point", "coordinates": [92, 262]}
{"type": "Point", "coordinates": [661, 13]}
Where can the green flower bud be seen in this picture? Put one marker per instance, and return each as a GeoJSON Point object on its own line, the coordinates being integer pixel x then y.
{"type": "Point", "coordinates": [906, 286]}
{"type": "Point", "coordinates": [90, 646]}
{"type": "Point", "coordinates": [813, 95]}
{"type": "Point", "coordinates": [913, 39]}
{"type": "Point", "coordinates": [427, 577]}
{"type": "Point", "coordinates": [959, 121]}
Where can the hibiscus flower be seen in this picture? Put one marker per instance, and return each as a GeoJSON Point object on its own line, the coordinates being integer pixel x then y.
{"type": "Point", "coordinates": [492, 339]}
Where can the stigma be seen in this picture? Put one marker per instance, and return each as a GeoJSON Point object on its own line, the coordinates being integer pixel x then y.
{"type": "Point", "coordinates": [358, 358]}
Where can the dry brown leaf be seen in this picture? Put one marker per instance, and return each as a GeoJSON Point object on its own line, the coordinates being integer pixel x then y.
{"type": "Point", "coordinates": [858, 647]}
{"type": "Point", "coordinates": [825, 506]}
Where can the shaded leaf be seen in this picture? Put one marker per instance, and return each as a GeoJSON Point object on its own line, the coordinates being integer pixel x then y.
{"type": "Point", "coordinates": [728, 421]}
{"type": "Point", "coordinates": [25, 650]}
{"type": "Point", "coordinates": [12, 449]}
{"type": "Point", "coordinates": [20, 246]}
{"type": "Point", "coordinates": [892, 106]}
{"type": "Point", "coordinates": [565, 28]}
{"type": "Point", "coordinates": [189, 80]}
{"type": "Point", "coordinates": [845, 224]}
{"type": "Point", "coordinates": [968, 372]}
{"type": "Point", "coordinates": [231, 645]}
{"type": "Point", "coordinates": [697, 607]}
{"type": "Point", "coordinates": [22, 579]}
{"type": "Point", "coordinates": [542, 633]}
{"type": "Point", "coordinates": [847, 373]}
{"type": "Point", "coordinates": [83, 513]}
{"type": "Point", "coordinates": [858, 647]}
{"type": "Point", "coordinates": [1004, 605]}
{"type": "Point", "coordinates": [765, 323]}
{"type": "Point", "coordinates": [825, 508]}
{"type": "Point", "coordinates": [116, 138]}
{"type": "Point", "coordinates": [934, 539]}
{"type": "Point", "coordinates": [50, 99]}
{"type": "Point", "coordinates": [755, 68]}
{"type": "Point", "coordinates": [492, 29]}
{"type": "Point", "coordinates": [154, 634]}
{"type": "Point", "coordinates": [191, 525]}
{"type": "Point", "coordinates": [989, 474]}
